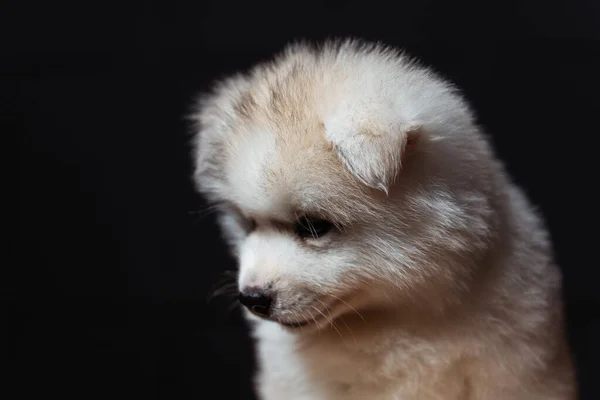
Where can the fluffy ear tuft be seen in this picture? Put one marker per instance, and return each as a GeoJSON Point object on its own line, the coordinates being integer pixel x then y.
{"type": "Point", "coordinates": [375, 158]}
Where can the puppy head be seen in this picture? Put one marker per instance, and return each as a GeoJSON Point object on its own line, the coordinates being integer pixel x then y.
{"type": "Point", "coordinates": [334, 184]}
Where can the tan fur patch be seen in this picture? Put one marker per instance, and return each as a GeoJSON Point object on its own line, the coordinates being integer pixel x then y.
{"type": "Point", "coordinates": [246, 105]}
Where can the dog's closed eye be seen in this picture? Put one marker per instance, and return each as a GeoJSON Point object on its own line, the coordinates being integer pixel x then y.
{"type": "Point", "coordinates": [312, 228]}
{"type": "Point", "coordinates": [249, 224]}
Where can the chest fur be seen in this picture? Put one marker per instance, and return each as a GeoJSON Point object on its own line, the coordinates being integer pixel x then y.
{"type": "Point", "coordinates": [342, 366]}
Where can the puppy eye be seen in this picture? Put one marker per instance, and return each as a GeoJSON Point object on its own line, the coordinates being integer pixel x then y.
{"type": "Point", "coordinates": [312, 227]}
{"type": "Point", "coordinates": [250, 224]}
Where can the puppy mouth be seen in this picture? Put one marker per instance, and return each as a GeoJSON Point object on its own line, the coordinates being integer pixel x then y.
{"type": "Point", "coordinates": [300, 319]}
{"type": "Point", "coordinates": [286, 322]}
{"type": "Point", "coordinates": [295, 325]}
{"type": "Point", "coordinates": [314, 320]}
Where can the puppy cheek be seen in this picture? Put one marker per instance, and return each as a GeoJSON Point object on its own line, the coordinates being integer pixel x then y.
{"type": "Point", "coordinates": [320, 274]}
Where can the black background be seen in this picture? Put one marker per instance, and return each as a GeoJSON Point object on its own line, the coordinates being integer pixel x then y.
{"type": "Point", "coordinates": [107, 279]}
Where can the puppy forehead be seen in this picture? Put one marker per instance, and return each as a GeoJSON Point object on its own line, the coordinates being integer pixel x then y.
{"type": "Point", "coordinates": [281, 175]}
{"type": "Point", "coordinates": [251, 174]}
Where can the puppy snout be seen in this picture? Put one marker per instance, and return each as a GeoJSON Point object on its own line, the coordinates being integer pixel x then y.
{"type": "Point", "coordinates": [258, 301]}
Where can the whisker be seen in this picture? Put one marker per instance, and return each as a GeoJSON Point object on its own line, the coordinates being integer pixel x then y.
{"type": "Point", "coordinates": [335, 326]}
{"type": "Point", "coordinates": [295, 316]}
{"type": "Point", "coordinates": [203, 213]}
{"type": "Point", "coordinates": [332, 324]}
{"type": "Point", "coordinates": [349, 330]}
{"type": "Point", "coordinates": [231, 274]}
{"type": "Point", "coordinates": [227, 289]}
{"type": "Point", "coordinates": [326, 309]}
{"type": "Point", "coordinates": [311, 228]}
{"type": "Point", "coordinates": [352, 308]}
{"type": "Point", "coordinates": [227, 285]}
{"type": "Point", "coordinates": [315, 321]}
{"type": "Point", "coordinates": [233, 306]}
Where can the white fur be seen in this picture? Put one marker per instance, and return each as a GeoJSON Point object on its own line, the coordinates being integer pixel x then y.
{"type": "Point", "coordinates": [439, 282]}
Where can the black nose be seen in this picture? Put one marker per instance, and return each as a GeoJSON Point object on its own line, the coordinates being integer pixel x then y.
{"type": "Point", "coordinates": [258, 301]}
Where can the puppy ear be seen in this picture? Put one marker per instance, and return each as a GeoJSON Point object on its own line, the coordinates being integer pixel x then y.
{"type": "Point", "coordinates": [375, 157]}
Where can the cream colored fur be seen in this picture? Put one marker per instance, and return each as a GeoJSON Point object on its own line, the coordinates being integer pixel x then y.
{"type": "Point", "coordinates": [439, 282]}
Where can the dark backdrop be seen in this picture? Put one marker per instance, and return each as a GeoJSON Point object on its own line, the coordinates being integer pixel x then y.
{"type": "Point", "coordinates": [107, 279]}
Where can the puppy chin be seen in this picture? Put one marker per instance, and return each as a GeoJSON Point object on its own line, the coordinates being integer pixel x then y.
{"type": "Point", "coordinates": [297, 321]}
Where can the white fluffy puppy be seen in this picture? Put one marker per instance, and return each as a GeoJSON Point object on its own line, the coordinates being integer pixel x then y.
{"type": "Point", "coordinates": [383, 251]}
